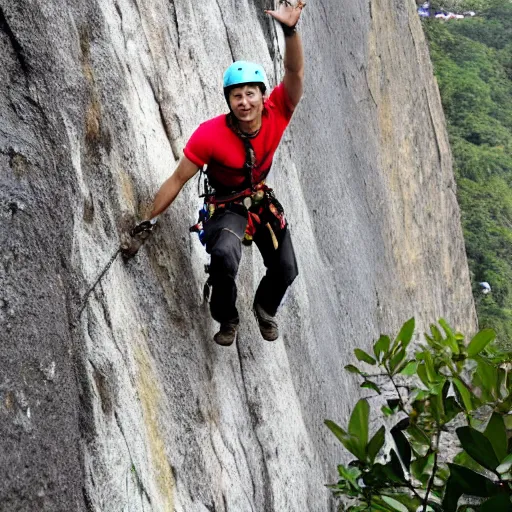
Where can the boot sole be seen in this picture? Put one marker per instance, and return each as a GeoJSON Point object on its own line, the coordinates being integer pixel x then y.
{"type": "Point", "coordinates": [223, 344]}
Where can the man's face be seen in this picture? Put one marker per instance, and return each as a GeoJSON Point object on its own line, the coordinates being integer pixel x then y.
{"type": "Point", "coordinates": [246, 102]}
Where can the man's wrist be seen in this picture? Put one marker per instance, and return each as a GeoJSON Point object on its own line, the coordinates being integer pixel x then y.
{"type": "Point", "coordinates": [289, 31]}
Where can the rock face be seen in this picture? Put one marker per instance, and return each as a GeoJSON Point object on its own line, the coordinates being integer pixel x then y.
{"type": "Point", "coordinates": [122, 402]}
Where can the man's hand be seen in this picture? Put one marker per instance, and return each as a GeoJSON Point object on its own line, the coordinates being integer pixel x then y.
{"type": "Point", "coordinates": [132, 241]}
{"type": "Point", "coordinates": [145, 226]}
{"type": "Point", "coordinates": [287, 14]}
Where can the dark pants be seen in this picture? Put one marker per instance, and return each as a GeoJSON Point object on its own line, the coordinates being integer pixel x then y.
{"type": "Point", "coordinates": [224, 233]}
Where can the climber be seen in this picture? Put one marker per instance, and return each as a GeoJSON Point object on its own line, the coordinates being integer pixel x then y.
{"type": "Point", "coordinates": [238, 150]}
{"type": "Point", "coordinates": [485, 287]}
{"type": "Point", "coordinates": [424, 10]}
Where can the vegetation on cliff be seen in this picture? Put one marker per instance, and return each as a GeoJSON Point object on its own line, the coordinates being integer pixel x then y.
{"type": "Point", "coordinates": [473, 65]}
{"type": "Point", "coordinates": [449, 406]}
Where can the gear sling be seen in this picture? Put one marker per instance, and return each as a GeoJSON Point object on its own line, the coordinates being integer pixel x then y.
{"type": "Point", "coordinates": [229, 218]}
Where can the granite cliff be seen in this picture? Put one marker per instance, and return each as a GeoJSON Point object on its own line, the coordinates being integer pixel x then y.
{"type": "Point", "coordinates": [122, 402]}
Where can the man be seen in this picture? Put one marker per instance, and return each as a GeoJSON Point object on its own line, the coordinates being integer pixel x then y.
{"type": "Point", "coordinates": [238, 149]}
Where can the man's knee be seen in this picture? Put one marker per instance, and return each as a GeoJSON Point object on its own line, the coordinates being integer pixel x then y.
{"type": "Point", "coordinates": [226, 254]}
{"type": "Point", "coordinates": [284, 273]}
{"type": "Point", "coordinates": [289, 272]}
{"type": "Point", "coordinates": [288, 267]}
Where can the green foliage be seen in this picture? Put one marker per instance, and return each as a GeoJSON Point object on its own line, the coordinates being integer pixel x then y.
{"type": "Point", "coordinates": [473, 66]}
{"type": "Point", "coordinates": [455, 382]}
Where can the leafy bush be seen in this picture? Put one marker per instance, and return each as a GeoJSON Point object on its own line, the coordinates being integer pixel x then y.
{"type": "Point", "coordinates": [448, 389]}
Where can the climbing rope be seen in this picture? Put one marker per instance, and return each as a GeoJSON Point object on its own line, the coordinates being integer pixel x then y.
{"type": "Point", "coordinates": [85, 298]}
{"type": "Point", "coordinates": [137, 236]}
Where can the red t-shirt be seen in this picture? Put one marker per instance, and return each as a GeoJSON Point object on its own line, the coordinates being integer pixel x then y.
{"type": "Point", "coordinates": [214, 144]}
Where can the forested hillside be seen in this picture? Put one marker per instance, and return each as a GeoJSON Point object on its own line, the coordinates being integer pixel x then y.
{"type": "Point", "coordinates": [473, 66]}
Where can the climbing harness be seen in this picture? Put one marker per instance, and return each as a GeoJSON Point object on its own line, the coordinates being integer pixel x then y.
{"type": "Point", "coordinates": [257, 202]}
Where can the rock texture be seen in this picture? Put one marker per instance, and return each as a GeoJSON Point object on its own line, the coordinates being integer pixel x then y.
{"type": "Point", "coordinates": [122, 402]}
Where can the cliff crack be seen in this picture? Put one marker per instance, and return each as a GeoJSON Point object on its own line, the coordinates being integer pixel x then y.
{"type": "Point", "coordinates": [139, 14]}
{"type": "Point", "coordinates": [276, 55]}
{"type": "Point", "coordinates": [368, 86]}
{"type": "Point", "coordinates": [326, 20]}
{"type": "Point", "coordinates": [418, 55]}
{"type": "Point", "coordinates": [87, 499]}
{"type": "Point", "coordinates": [227, 33]}
{"type": "Point", "coordinates": [412, 37]}
{"type": "Point", "coordinates": [174, 18]}
{"type": "Point", "coordinates": [165, 126]}
{"type": "Point", "coordinates": [133, 469]}
{"type": "Point", "coordinates": [267, 488]}
{"type": "Point", "coordinates": [203, 89]}
{"type": "Point", "coordinates": [235, 458]}
{"type": "Point", "coordinates": [119, 12]}
{"type": "Point", "coordinates": [18, 50]}
{"type": "Point", "coordinates": [246, 455]}
{"type": "Point", "coordinates": [436, 135]}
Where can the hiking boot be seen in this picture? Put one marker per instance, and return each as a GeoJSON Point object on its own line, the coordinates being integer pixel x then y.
{"type": "Point", "coordinates": [268, 326]}
{"type": "Point", "coordinates": [227, 334]}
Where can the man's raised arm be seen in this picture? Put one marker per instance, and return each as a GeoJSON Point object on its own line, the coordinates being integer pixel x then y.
{"type": "Point", "coordinates": [288, 15]}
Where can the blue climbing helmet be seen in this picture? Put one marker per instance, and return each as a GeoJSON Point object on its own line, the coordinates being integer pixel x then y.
{"type": "Point", "coordinates": [242, 72]}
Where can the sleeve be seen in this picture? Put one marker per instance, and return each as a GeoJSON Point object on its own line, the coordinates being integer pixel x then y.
{"type": "Point", "coordinates": [280, 100]}
{"type": "Point", "coordinates": [199, 147]}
